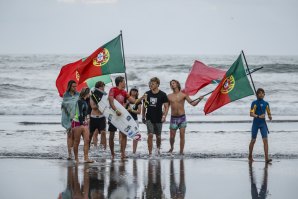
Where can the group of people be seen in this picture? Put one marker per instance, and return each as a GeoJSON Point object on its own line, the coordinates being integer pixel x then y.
{"type": "Point", "coordinates": [82, 117]}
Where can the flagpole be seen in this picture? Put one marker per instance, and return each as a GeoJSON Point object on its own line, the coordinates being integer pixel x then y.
{"type": "Point", "coordinates": [213, 90]}
{"type": "Point", "coordinates": [253, 86]}
{"type": "Point", "coordinates": [249, 72]}
{"type": "Point", "coordinates": [123, 59]}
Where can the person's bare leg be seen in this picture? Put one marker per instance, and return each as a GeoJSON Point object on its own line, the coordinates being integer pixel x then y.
{"type": "Point", "coordinates": [111, 143]}
{"type": "Point", "coordinates": [95, 137]}
{"type": "Point", "coordinates": [251, 148]}
{"type": "Point", "coordinates": [182, 140]}
{"type": "Point", "coordinates": [77, 131]}
{"type": "Point", "coordinates": [86, 145]}
{"type": "Point", "coordinates": [172, 140]}
{"type": "Point", "coordinates": [123, 145]}
{"type": "Point", "coordinates": [120, 136]}
{"type": "Point", "coordinates": [266, 148]}
{"type": "Point", "coordinates": [150, 143]}
{"type": "Point", "coordinates": [103, 139]}
{"type": "Point", "coordinates": [69, 143]}
{"type": "Point", "coordinates": [134, 146]}
{"type": "Point", "coordinates": [158, 143]}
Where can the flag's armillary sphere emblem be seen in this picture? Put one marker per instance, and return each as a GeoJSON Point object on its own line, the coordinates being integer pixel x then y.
{"type": "Point", "coordinates": [102, 57]}
{"type": "Point", "coordinates": [77, 75]}
{"type": "Point", "coordinates": [228, 85]}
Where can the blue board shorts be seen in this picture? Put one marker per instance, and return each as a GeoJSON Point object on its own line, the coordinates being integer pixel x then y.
{"type": "Point", "coordinates": [178, 122]}
{"type": "Point", "coordinates": [255, 128]}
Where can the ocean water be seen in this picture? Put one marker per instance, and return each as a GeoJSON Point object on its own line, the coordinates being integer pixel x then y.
{"type": "Point", "coordinates": [30, 105]}
{"type": "Point", "coordinates": [28, 82]}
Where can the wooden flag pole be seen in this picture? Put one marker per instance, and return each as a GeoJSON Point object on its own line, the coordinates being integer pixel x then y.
{"type": "Point", "coordinates": [121, 36]}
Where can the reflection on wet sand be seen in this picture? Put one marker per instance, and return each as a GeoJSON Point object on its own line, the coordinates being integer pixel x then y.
{"type": "Point", "coordinates": [74, 189]}
{"type": "Point", "coordinates": [153, 188]}
{"type": "Point", "coordinates": [177, 190]}
{"type": "Point", "coordinates": [255, 194]}
{"type": "Point", "coordinates": [125, 179]}
{"type": "Point", "coordinates": [97, 181]}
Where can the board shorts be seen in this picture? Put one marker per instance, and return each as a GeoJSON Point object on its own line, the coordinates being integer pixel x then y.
{"type": "Point", "coordinates": [178, 122]}
{"type": "Point", "coordinates": [97, 122]}
{"type": "Point", "coordinates": [75, 124]}
{"type": "Point", "coordinates": [154, 128]}
{"type": "Point", "coordinates": [256, 126]}
{"type": "Point", "coordinates": [112, 128]}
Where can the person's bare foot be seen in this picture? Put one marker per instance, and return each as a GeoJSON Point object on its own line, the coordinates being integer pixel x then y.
{"type": "Point", "coordinates": [268, 161]}
{"type": "Point", "coordinates": [170, 151]}
{"type": "Point", "coordinates": [250, 159]}
{"type": "Point", "coordinates": [112, 156]}
{"type": "Point", "coordinates": [77, 161]}
{"type": "Point", "coordinates": [88, 161]}
{"type": "Point", "coordinates": [123, 156]}
{"type": "Point", "coordinates": [158, 151]}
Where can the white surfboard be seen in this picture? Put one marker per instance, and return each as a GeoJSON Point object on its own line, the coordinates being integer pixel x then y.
{"type": "Point", "coordinates": [124, 123]}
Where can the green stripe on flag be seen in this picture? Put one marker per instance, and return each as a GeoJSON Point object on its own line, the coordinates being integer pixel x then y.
{"type": "Point", "coordinates": [92, 81]}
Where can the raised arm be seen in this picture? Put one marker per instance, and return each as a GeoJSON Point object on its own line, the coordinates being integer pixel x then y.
{"type": "Point", "coordinates": [193, 103]}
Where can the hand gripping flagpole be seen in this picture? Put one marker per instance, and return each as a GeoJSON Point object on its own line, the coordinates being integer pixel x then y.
{"type": "Point", "coordinates": [123, 59]}
{"type": "Point", "coordinates": [253, 86]}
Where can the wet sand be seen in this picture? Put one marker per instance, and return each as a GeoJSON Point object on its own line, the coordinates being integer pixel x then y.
{"type": "Point", "coordinates": [156, 178]}
{"type": "Point", "coordinates": [33, 163]}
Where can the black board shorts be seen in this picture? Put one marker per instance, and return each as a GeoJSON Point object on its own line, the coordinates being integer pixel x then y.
{"type": "Point", "coordinates": [112, 128]}
{"type": "Point", "coordinates": [97, 123]}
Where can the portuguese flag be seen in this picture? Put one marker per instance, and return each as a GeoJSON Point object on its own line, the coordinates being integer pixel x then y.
{"type": "Point", "coordinates": [69, 72]}
{"type": "Point", "coordinates": [234, 85]}
{"type": "Point", "coordinates": [107, 59]}
{"type": "Point", "coordinates": [201, 76]}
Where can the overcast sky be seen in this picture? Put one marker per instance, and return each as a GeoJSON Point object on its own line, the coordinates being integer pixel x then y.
{"type": "Point", "coordinates": [260, 27]}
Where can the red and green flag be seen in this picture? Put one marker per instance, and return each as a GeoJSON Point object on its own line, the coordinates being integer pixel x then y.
{"type": "Point", "coordinates": [201, 76]}
{"type": "Point", "coordinates": [234, 85]}
{"type": "Point", "coordinates": [69, 72]}
{"type": "Point", "coordinates": [105, 60]}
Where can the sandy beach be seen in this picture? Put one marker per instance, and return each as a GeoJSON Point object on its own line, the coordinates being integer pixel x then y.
{"type": "Point", "coordinates": [33, 163]}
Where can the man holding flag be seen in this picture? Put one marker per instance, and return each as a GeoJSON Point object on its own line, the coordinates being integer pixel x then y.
{"type": "Point", "coordinates": [178, 119]}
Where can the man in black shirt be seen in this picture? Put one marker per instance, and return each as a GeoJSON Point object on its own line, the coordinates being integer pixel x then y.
{"type": "Point", "coordinates": [155, 116]}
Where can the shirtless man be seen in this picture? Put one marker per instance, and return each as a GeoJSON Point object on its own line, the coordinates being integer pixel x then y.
{"type": "Point", "coordinates": [97, 120]}
{"type": "Point", "coordinates": [178, 118]}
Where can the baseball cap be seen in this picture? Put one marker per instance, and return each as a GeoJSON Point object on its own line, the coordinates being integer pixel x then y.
{"type": "Point", "coordinates": [134, 88]}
